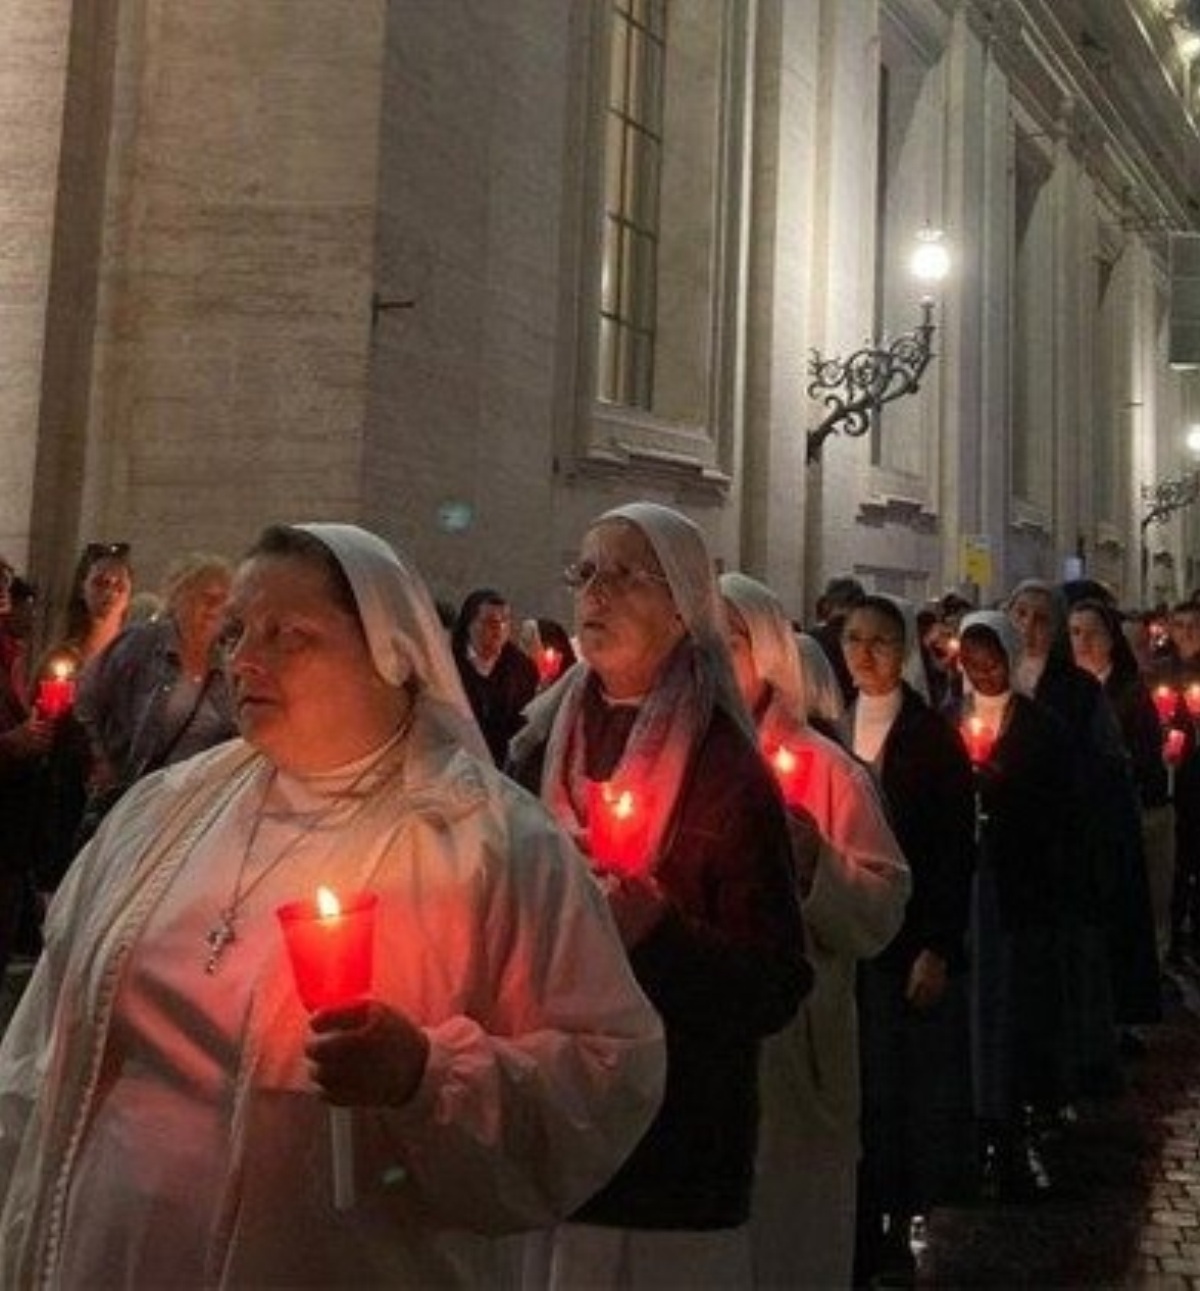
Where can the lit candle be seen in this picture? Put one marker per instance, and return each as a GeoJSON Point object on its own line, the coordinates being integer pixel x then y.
{"type": "Point", "coordinates": [56, 693]}
{"type": "Point", "coordinates": [979, 739]}
{"type": "Point", "coordinates": [618, 827]}
{"type": "Point", "coordinates": [1165, 703]}
{"type": "Point", "coordinates": [549, 664]}
{"type": "Point", "coordinates": [793, 770]}
{"type": "Point", "coordinates": [330, 945]}
{"type": "Point", "coordinates": [1174, 741]}
{"type": "Point", "coordinates": [1191, 697]}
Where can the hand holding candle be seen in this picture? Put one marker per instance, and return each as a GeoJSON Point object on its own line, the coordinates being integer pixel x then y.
{"type": "Point", "coordinates": [793, 769]}
{"type": "Point", "coordinates": [549, 664]}
{"type": "Point", "coordinates": [331, 950]}
{"type": "Point", "coordinates": [56, 693]}
{"type": "Point", "coordinates": [618, 827]}
{"type": "Point", "coordinates": [980, 741]}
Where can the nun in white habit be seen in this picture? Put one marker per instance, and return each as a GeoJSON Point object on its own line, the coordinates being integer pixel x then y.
{"type": "Point", "coordinates": [854, 884]}
{"type": "Point", "coordinates": [163, 1094]}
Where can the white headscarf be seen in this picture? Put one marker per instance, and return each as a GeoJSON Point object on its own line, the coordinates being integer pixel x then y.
{"type": "Point", "coordinates": [1029, 670]}
{"type": "Point", "coordinates": [823, 691]}
{"type": "Point", "coordinates": [705, 681]}
{"type": "Point", "coordinates": [913, 670]}
{"type": "Point", "coordinates": [1005, 632]}
{"type": "Point", "coordinates": [772, 640]}
{"type": "Point", "coordinates": [687, 565]}
{"type": "Point", "coordinates": [402, 627]}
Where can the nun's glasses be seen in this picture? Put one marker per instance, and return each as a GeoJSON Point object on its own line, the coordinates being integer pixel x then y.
{"type": "Point", "coordinates": [616, 580]}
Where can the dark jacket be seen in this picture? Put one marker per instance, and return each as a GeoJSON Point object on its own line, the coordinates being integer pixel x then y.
{"type": "Point", "coordinates": [724, 968]}
{"type": "Point", "coordinates": [927, 785]}
{"type": "Point", "coordinates": [497, 699]}
{"type": "Point", "coordinates": [1027, 793]}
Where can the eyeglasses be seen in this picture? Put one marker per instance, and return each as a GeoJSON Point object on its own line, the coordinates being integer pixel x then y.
{"type": "Point", "coordinates": [876, 645]}
{"type": "Point", "coordinates": [616, 580]}
{"type": "Point", "coordinates": [106, 550]}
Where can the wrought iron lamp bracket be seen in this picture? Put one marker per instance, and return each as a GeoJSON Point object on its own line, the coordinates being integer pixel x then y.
{"type": "Point", "coordinates": [1168, 496]}
{"type": "Point", "coordinates": [853, 389]}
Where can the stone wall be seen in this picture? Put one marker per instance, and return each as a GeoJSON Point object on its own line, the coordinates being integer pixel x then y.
{"type": "Point", "coordinates": [34, 43]}
{"type": "Point", "coordinates": [225, 381]}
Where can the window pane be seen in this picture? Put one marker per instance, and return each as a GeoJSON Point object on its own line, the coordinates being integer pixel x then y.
{"type": "Point", "coordinates": [632, 178]}
{"type": "Point", "coordinates": [606, 373]}
{"type": "Point", "coordinates": [626, 304]}
{"type": "Point", "coordinates": [644, 284]}
{"type": "Point", "coordinates": [610, 267]}
{"type": "Point", "coordinates": [635, 103]}
{"type": "Point", "coordinates": [618, 71]}
{"type": "Point", "coordinates": [614, 154]}
{"type": "Point", "coordinates": [656, 18]}
{"type": "Point", "coordinates": [634, 148]}
{"type": "Point", "coordinates": [642, 391]}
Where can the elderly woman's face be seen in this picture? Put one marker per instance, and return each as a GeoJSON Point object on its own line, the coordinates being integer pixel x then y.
{"type": "Point", "coordinates": [306, 689]}
{"type": "Point", "coordinates": [1033, 617]}
{"type": "Point", "coordinates": [107, 588]}
{"type": "Point", "coordinates": [625, 616]}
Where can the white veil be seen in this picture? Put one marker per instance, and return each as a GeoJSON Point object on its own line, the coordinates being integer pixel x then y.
{"type": "Point", "coordinates": [403, 631]}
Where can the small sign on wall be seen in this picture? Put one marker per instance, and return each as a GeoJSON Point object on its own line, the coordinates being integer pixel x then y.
{"type": "Point", "coordinates": [976, 559]}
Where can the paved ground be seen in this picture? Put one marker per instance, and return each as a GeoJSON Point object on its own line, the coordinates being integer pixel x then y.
{"type": "Point", "coordinates": [1127, 1209]}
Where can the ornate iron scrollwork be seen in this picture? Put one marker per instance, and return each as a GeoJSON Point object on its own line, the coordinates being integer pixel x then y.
{"type": "Point", "coordinates": [854, 388]}
{"type": "Point", "coordinates": [1168, 496]}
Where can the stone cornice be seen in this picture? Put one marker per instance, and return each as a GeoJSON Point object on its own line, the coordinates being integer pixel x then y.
{"type": "Point", "coordinates": [1089, 72]}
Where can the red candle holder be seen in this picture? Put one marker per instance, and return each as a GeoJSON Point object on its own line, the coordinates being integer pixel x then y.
{"type": "Point", "coordinates": [549, 664]}
{"type": "Point", "coordinates": [618, 826]}
{"type": "Point", "coordinates": [1174, 743]}
{"type": "Point", "coordinates": [331, 947]}
{"type": "Point", "coordinates": [1165, 702]}
{"type": "Point", "coordinates": [979, 739]}
{"type": "Point", "coordinates": [793, 771]}
{"type": "Point", "coordinates": [56, 693]}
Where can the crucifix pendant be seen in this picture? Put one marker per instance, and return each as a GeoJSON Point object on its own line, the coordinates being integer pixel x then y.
{"type": "Point", "coordinates": [217, 938]}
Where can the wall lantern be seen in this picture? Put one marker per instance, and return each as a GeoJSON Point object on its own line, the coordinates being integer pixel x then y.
{"type": "Point", "coordinates": [853, 389]}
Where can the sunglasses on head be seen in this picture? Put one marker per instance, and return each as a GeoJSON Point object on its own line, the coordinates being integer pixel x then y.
{"type": "Point", "coordinates": [102, 550]}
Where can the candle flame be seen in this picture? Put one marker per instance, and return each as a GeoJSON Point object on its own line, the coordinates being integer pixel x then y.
{"type": "Point", "coordinates": [623, 805]}
{"type": "Point", "coordinates": [328, 906]}
{"type": "Point", "coordinates": [785, 760]}
{"type": "Point", "coordinates": [61, 669]}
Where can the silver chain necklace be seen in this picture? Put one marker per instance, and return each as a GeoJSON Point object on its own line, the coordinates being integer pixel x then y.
{"type": "Point", "coordinates": [223, 932]}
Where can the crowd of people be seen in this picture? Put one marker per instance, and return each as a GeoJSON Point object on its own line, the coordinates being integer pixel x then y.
{"type": "Point", "coordinates": [705, 947]}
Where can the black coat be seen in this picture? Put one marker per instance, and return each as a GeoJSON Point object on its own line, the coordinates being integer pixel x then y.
{"type": "Point", "coordinates": [927, 785]}
{"type": "Point", "coordinates": [498, 698]}
{"type": "Point", "coordinates": [724, 968]}
{"type": "Point", "coordinates": [1027, 792]}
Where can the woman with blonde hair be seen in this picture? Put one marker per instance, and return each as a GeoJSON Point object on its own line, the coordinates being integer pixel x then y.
{"type": "Point", "coordinates": [158, 694]}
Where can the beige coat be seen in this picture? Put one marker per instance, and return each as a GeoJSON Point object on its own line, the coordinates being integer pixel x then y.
{"type": "Point", "coordinates": [803, 1218]}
